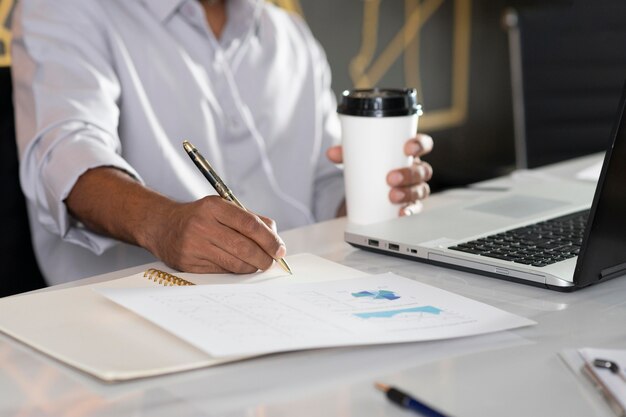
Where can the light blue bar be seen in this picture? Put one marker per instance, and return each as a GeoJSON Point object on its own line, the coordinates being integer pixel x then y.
{"type": "Point", "coordinates": [391, 313]}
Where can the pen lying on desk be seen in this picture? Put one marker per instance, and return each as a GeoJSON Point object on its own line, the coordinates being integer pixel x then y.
{"type": "Point", "coordinates": [219, 185]}
{"type": "Point", "coordinates": [406, 401]}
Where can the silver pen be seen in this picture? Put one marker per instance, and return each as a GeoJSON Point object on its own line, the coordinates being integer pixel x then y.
{"type": "Point", "coordinates": [219, 185]}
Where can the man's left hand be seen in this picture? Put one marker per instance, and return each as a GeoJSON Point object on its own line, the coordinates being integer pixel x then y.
{"type": "Point", "coordinates": [409, 185]}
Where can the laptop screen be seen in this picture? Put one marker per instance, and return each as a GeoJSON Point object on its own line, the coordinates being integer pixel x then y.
{"type": "Point", "coordinates": [603, 255]}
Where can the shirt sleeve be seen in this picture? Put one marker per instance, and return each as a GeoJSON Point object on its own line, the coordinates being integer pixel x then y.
{"type": "Point", "coordinates": [66, 106]}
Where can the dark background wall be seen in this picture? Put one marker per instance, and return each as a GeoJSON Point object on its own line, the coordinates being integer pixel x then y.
{"type": "Point", "coordinates": [574, 57]}
{"type": "Point", "coordinates": [20, 271]}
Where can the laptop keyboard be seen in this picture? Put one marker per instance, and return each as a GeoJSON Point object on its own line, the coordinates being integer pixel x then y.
{"type": "Point", "coordinates": [539, 244]}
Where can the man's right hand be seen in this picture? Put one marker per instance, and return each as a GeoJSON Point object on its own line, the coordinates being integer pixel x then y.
{"type": "Point", "coordinates": [210, 235]}
{"type": "Point", "coordinates": [214, 235]}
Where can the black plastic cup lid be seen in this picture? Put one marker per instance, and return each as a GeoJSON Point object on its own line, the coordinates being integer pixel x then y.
{"type": "Point", "coordinates": [379, 102]}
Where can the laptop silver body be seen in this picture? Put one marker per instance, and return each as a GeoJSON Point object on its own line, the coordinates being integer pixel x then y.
{"type": "Point", "coordinates": [429, 235]}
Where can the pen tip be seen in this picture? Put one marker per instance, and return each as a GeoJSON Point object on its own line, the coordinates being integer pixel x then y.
{"type": "Point", "coordinates": [382, 387]}
{"type": "Point", "coordinates": [283, 264]}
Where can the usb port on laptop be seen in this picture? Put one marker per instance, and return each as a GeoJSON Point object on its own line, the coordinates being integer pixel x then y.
{"type": "Point", "coordinates": [393, 246]}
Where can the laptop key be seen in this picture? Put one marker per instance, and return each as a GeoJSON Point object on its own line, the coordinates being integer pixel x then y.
{"type": "Point", "coordinates": [539, 245]}
{"type": "Point", "coordinates": [467, 250]}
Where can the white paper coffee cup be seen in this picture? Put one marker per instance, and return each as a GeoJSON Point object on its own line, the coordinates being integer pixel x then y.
{"type": "Point", "coordinates": [375, 125]}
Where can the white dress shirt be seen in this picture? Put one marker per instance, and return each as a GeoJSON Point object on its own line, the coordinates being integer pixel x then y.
{"type": "Point", "coordinates": [123, 82]}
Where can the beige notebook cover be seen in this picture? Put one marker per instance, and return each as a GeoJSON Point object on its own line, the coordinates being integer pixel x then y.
{"type": "Point", "coordinates": [83, 329]}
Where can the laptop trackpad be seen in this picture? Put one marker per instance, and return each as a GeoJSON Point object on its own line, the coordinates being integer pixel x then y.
{"type": "Point", "coordinates": [517, 206]}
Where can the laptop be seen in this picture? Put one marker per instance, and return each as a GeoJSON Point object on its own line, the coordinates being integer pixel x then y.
{"type": "Point", "coordinates": [559, 234]}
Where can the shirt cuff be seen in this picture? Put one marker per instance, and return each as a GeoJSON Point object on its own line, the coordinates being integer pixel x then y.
{"type": "Point", "coordinates": [68, 160]}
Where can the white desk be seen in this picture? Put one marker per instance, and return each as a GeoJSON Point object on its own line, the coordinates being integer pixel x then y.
{"type": "Point", "coordinates": [516, 373]}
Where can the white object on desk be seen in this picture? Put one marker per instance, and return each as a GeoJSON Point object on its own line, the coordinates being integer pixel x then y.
{"type": "Point", "coordinates": [239, 320]}
{"type": "Point", "coordinates": [610, 383]}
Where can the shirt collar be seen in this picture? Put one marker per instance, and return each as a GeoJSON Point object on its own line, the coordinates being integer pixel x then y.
{"type": "Point", "coordinates": [240, 12]}
{"type": "Point", "coordinates": [163, 9]}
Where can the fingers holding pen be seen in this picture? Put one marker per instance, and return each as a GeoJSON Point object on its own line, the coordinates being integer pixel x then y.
{"type": "Point", "coordinates": [251, 238]}
{"type": "Point", "coordinates": [214, 235]}
{"type": "Point", "coordinates": [248, 237]}
{"type": "Point", "coordinates": [269, 222]}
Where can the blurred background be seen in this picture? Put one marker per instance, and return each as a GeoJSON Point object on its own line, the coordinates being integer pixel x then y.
{"type": "Point", "coordinates": [504, 84]}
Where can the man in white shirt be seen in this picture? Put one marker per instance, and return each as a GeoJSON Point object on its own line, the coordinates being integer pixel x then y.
{"type": "Point", "coordinates": [105, 93]}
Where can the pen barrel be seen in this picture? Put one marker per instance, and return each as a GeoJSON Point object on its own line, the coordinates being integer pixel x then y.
{"type": "Point", "coordinates": [411, 403]}
{"type": "Point", "coordinates": [396, 396]}
{"type": "Point", "coordinates": [215, 179]}
{"type": "Point", "coordinates": [231, 197]}
{"type": "Point", "coordinates": [204, 167]}
{"type": "Point", "coordinates": [223, 191]}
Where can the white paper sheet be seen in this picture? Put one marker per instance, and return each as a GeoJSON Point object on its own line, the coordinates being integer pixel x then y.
{"type": "Point", "coordinates": [248, 319]}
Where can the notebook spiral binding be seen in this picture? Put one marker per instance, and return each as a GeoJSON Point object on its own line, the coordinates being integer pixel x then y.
{"type": "Point", "coordinates": [164, 278]}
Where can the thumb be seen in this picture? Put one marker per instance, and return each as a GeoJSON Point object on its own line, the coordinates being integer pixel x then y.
{"type": "Point", "coordinates": [335, 154]}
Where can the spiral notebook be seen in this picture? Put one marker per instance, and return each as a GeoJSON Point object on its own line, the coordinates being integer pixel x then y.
{"type": "Point", "coordinates": [82, 329]}
{"type": "Point", "coordinates": [161, 277]}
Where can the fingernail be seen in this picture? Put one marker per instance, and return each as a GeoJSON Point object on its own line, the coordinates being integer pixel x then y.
{"type": "Point", "coordinates": [281, 252]}
{"type": "Point", "coordinates": [395, 178]}
{"type": "Point", "coordinates": [406, 211]}
{"type": "Point", "coordinates": [414, 148]}
{"type": "Point", "coordinates": [397, 195]}
{"type": "Point", "coordinates": [421, 170]}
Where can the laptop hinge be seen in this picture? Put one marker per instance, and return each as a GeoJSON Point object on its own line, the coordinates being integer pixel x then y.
{"type": "Point", "coordinates": [613, 271]}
